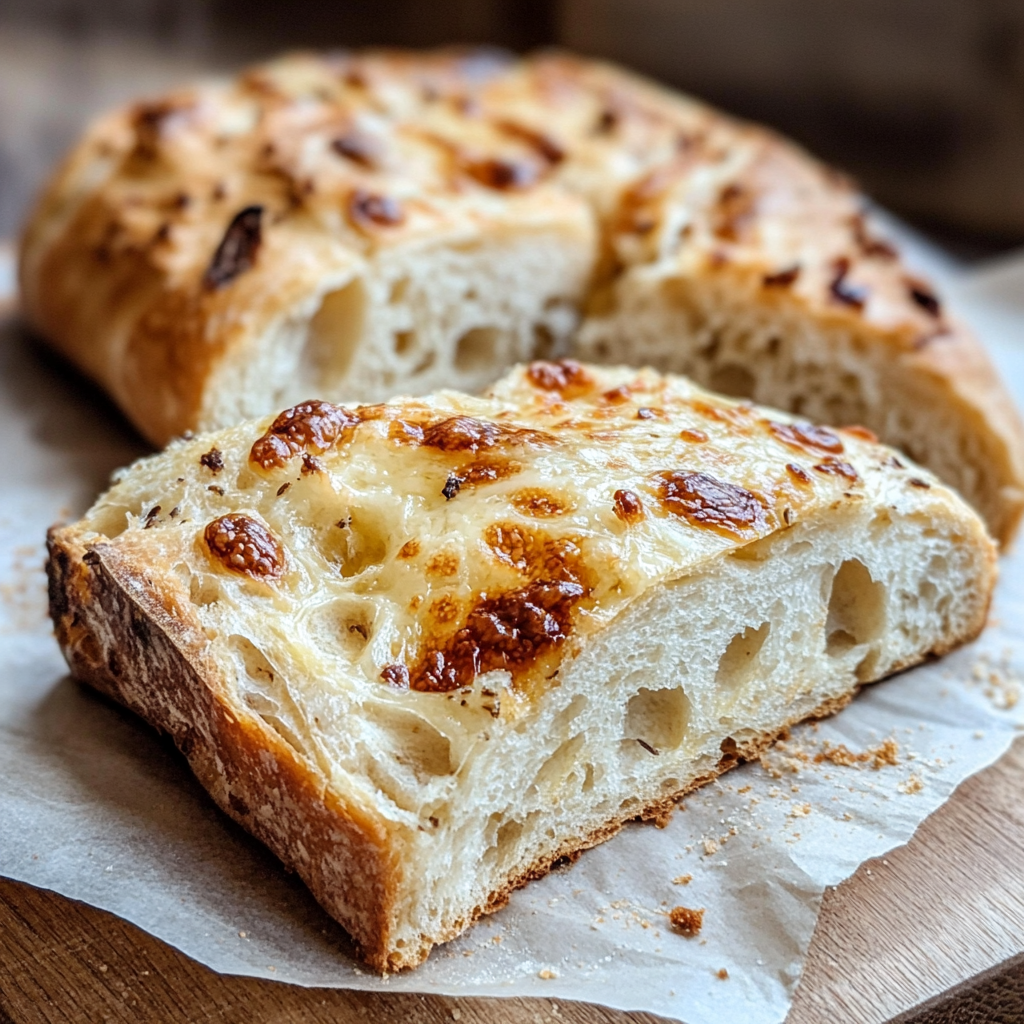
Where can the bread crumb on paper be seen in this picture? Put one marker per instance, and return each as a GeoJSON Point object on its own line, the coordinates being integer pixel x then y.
{"type": "Point", "coordinates": [547, 974]}
{"type": "Point", "coordinates": [723, 974]}
{"type": "Point", "coordinates": [686, 921]}
{"type": "Point", "coordinates": [682, 880]}
{"type": "Point", "coordinates": [912, 785]}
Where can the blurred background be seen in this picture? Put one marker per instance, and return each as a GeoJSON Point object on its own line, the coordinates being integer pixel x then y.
{"type": "Point", "coordinates": [921, 100]}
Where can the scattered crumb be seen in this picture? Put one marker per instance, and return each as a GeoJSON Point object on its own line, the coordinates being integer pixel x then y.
{"type": "Point", "coordinates": [243, 935]}
{"type": "Point", "coordinates": [686, 921]}
{"type": "Point", "coordinates": [547, 974]}
{"type": "Point", "coordinates": [800, 811]}
{"type": "Point", "coordinates": [710, 847]}
{"type": "Point", "coordinates": [456, 1014]}
{"type": "Point", "coordinates": [662, 818]}
{"type": "Point", "coordinates": [912, 785]}
{"type": "Point", "coordinates": [682, 880]}
{"type": "Point", "coordinates": [886, 753]}
{"type": "Point", "coordinates": [103, 968]}
{"type": "Point", "coordinates": [723, 974]}
{"type": "Point", "coordinates": [743, 789]}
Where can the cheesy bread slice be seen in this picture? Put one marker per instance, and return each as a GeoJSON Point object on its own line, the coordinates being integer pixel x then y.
{"type": "Point", "coordinates": [426, 648]}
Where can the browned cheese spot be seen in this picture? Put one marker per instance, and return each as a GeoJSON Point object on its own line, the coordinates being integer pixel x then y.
{"type": "Point", "coordinates": [368, 211]}
{"type": "Point", "coordinates": [396, 676]}
{"type": "Point", "coordinates": [444, 610]}
{"type": "Point", "coordinates": [540, 504]}
{"type": "Point", "coordinates": [213, 460]}
{"type": "Point", "coordinates": [835, 467]}
{"type": "Point", "coordinates": [782, 278]}
{"type": "Point", "coordinates": [444, 563]}
{"type": "Point", "coordinates": [733, 212]}
{"type": "Point", "coordinates": [628, 506]}
{"type": "Point", "coordinates": [693, 436]}
{"type": "Point", "coordinates": [806, 437]}
{"type": "Point", "coordinates": [863, 433]}
{"type": "Point", "coordinates": [510, 631]}
{"type": "Point", "coordinates": [840, 288]}
{"type": "Point", "coordinates": [704, 501]}
{"type": "Point", "coordinates": [237, 250]}
{"type": "Point", "coordinates": [468, 434]}
{"type": "Point", "coordinates": [542, 144]}
{"type": "Point", "coordinates": [686, 921]}
{"type": "Point", "coordinates": [618, 395]}
{"type": "Point", "coordinates": [410, 549]}
{"type": "Point", "coordinates": [567, 377]}
{"type": "Point", "coordinates": [503, 174]}
{"type": "Point", "coordinates": [358, 147]}
{"type": "Point", "coordinates": [310, 427]}
{"type": "Point", "coordinates": [798, 473]}
{"type": "Point", "coordinates": [244, 545]}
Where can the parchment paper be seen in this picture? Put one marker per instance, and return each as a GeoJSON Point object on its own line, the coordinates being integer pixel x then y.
{"type": "Point", "coordinates": [95, 806]}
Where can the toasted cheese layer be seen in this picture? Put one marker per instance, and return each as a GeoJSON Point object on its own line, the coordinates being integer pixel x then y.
{"type": "Point", "coordinates": [455, 543]}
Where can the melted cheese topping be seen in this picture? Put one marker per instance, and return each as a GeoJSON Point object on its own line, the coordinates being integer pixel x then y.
{"type": "Point", "coordinates": [428, 544]}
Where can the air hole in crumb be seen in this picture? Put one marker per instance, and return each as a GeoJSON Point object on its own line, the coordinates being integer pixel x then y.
{"type": "Point", "coordinates": [560, 764]}
{"type": "Point", "coordinates": [856, 608]}
{"type": "Point", "coordinates": [399, 291]}
{"type": "Point", "coordinates": [588, 779]}
{"type": "Point", "coordinates": [426, 362]}
{"type": "Point", "coordinates": [477, 349]}
{"type": "Point", "coordinates": [335, 332]}
{"type": "Point", "coordinates": [739, 663]}
{"type": "Point", "coordinates": [405, 342]}
{"type": "Point", "coordinates": [732, 379]}
{"type": "Point", "coordinates": [416, 743]}
{"type": "Point", "coordinates": [204, 589]}
{"type": "Point", "coordinates": [360, 546]}
{"type": "Point", "coordinates": [658, 717]}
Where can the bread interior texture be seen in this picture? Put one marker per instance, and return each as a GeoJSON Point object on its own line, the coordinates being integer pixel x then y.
{"type": "Point", "coordinates": [483, 787]}
{"type": "Point", "coordinates": [415, 319]}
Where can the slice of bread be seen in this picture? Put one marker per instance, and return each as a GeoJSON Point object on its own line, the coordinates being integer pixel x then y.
{"type": "Point", "coordinates": [353, 227]}
{"type": "Point", "coordinates": [425, 649]}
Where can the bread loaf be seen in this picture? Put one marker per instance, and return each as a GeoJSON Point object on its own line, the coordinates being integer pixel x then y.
{"type": "Point", "coordinates": [358, 226]}
{"type": "Point", "coordinates": [425, 649]}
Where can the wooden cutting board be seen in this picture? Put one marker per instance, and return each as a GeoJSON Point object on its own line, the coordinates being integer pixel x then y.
{"type": "Point", "coordinates": [932, 932]}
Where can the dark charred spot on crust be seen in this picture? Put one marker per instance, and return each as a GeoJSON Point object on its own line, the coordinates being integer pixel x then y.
{"type": "Point", "coordinates": [148, 121]}
{"type": "Point", "coordinates": [924, 297]}
{"type": "Point", "coordinates": [502, 174]}
{"type": "Point", "coordinates": [734, 209]}
{"type": "Point", "coordinates": [396, 676]}
{"type": "Point", "coordinates": [607, 121]}
{"type": "Point", "coordinates": [310, 427]}
{"type": "Point", "coordinates": [368, 211]}
{"type": "Point", "coordinates": [567, 377]}
{"type": "Point", "coordinates": [358, 147]}
{"type": "Point", "coordinates": [510, 631]}
{"type": "Point", "coordinates": [798, 473]}
{"type": "Point", "coordinates": [855, 430]}
{"type": "Point", "coordinates": [628, 506]}
{"type": "Point", "coordinates": [783, 278]}
{"type": "Point", "coordinates": [618, 395]}
{"type": "Point", "coordinates": [540, 143]}
{"type": "Point", "coordinates": [539, 503]}
{"type": "Point", "coordinates": [806, 436]}
{"type": "Point", "coordinates": [244, 545]}
{"type": "Point", "coordinates": [468, 434]}
{"type": "Point", "coordinates": [238, 805]}
{"type": "Point", "coordinates": [871, 245]}
{"type": "Point", "coordinates": [837, 468]}
{"type": "Point", "coordinates": [916, 481]}
{"type": "Point", "coordinates": [840, 288]}
{"type": "Point", "coordinates": [693, 436]}
{"type": "Point", "coordinates": [452, 486]}
{"type": "Point", "coordinates": [704, 501]}
{"type": "Point", "coordinates": [213, 460]}
{"type": "Point", "coordinates": [237, 250]}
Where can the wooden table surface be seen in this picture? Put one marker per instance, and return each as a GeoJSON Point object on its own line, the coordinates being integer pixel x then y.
{"type": "Point", "coordinates": [933, 932]}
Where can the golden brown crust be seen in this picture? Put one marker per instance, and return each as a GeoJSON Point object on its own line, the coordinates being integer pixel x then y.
{"type": "Point", "coordinates": [128, 637]}
{"type": "Point", "coordinates": [126, 266]}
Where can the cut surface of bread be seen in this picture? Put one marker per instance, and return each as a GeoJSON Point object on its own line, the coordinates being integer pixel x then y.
{"type": "Point", "coordinates": [425, 649]}
{"type": "Point", "coordinates": [384, 222]}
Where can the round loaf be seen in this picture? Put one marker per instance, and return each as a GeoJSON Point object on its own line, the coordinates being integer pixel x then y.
{"type": "Point", "coordinates": [357, 225]}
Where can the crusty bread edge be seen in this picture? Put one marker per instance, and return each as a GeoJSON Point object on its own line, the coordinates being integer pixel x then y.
{"type": "Point", "coordinates": [156, 667]}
